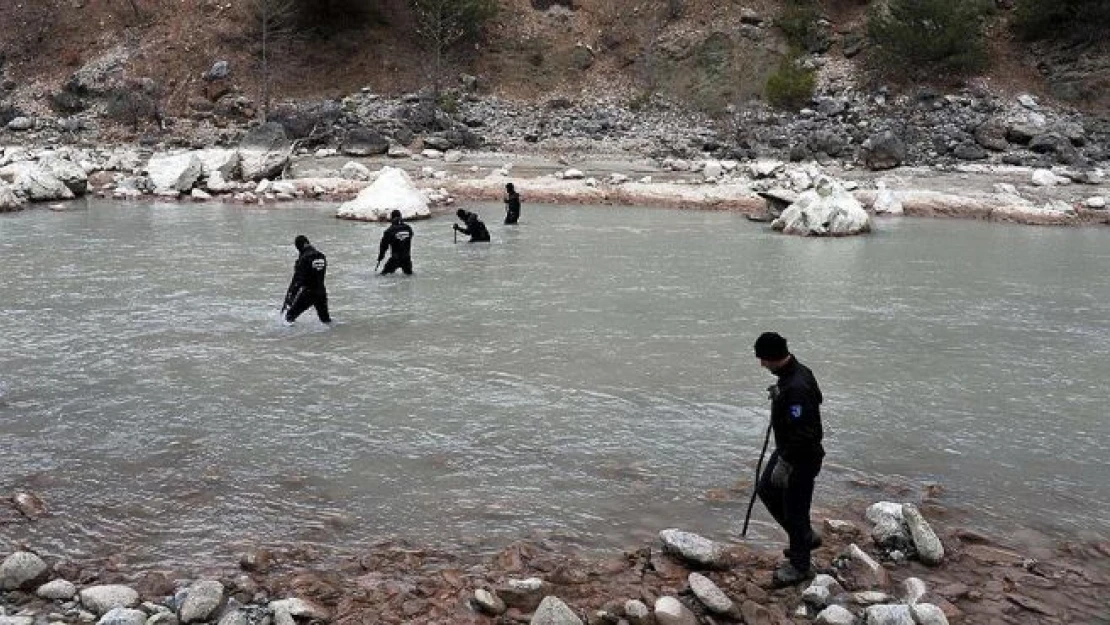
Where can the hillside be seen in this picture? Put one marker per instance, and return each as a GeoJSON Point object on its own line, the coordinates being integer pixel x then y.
{"type": "Point", "coordinates": [711, 55]}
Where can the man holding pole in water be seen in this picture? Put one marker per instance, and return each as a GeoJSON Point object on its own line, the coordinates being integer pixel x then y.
{"type": "Point", "coordinates": [786, 485]}
{"type": "Point", "coordinates": [306, 289]}
{"type": "Point", "coordinates": [397, 238]}
{"type": "Point", "coordinates": [475, 229]}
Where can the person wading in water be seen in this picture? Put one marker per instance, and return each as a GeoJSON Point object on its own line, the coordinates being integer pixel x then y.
{"type": "Point", "coordinates": [512, 204]}
{"type": "Point", "coordinates": [307, 287]}
{"type": "Point", "coordinates": [475, 229]}
{"type": "Point", "coordinates": [786, 486]}
{"type": "Point", "coordinates": [397, 238]}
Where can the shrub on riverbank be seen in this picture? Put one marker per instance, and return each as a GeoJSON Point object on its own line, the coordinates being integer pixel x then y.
{"type": "Point", "coordinates": [922, 36]}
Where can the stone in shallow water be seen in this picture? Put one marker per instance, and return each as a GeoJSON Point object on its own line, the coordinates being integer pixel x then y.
{"type": "Point", "coordinates": [929, 548]}
{"type": "Point", "coordinates": [692, 547]}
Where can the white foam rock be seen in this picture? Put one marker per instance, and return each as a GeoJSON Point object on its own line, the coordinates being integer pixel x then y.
{"type": "Point", "coordinates": [393, 190]}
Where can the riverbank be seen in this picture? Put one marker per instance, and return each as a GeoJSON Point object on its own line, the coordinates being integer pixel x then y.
{"type": "Point", "coordinates": [1012, 194]}
{"type": "Point", "coordinates": [885, 565]}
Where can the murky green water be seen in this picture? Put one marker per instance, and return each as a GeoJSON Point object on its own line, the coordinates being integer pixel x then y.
{"type": "Point", "coordinates": [587, 375]}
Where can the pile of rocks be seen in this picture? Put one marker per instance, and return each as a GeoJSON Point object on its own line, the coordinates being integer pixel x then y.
{"type": "Point", "coordinates": [904, 575]}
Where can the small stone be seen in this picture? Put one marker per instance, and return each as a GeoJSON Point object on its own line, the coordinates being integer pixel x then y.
{"type": "Point", "coordinates": [58, 590]}
{"type": "Point", "coordinates": [888, 615]}
{"type": "Point", "coordinates": [928, 614]}
{"type": "Point", "coordinates": [710, 594]}
{"type": "Point", "coordinates": [301, 609]}
{"type": "Point", "coordinates": [489, 602]}
{"type": "Point", "coordinates": [671, 611]}
{"type": "Point", "coordinates": [929, 548]}
{"type": "Point", "coordinates": [835, 615]}
{"type": "Point", "coordinates": [201, 600]}
{"type": "Point", "coordinates": [552, 611]}
{"type": "Point", "coordinates": [913, 589]}
{"type": "Point", "coordinates": [21, 569]}
{"type": "Point", "coordinates": [123, 616]}
{"type": "Point", "coordinates": [692, 547]}
{"type": "Point", "coordinates": [101, 599]}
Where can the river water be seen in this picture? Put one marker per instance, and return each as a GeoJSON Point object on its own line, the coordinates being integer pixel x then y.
{"type": "Point", "coordinates": [587, 376]}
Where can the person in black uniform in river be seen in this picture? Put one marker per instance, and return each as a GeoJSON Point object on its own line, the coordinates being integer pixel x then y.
{"type": "Point", "coordinates": [397, 238]}
{"type": "Point", "coordinates": [512, 204]}
{"type": "Point", "coordinates": [786, 486]}
{"type": "Point", "coordinates": [307, 287]}
{"type": "Point", "coordinates": [475, 229]}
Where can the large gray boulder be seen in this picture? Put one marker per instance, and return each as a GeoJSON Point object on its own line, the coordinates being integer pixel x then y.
{"type": "Point", "coordinates": [991, 134]}
{"type": "Point", "coordinates": [883, 151]}
{"type": "Point", "coordinates": [552, 611]}
{"type": "Point", "coordinates": [218, 160]}
{"type": "Point", "coordinates": [174, 172]}
{"type": "Point", "coordinates": [71, 174]}
{"type": "Point", "coordinates": [22, 569]}
{"type": "Point", "coordinates": [364, 142]}
{"type": "Point", "coordinates": [35, 182]}
{"type": "Point", "coordinates": [826, 210]}
{"type": "Point", "coordinates": [264, 152]}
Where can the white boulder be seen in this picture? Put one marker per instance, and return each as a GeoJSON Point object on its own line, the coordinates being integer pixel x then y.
{"type": "Point", "coordinates": [174, 172]}
{"type": "Point", "coordinates": [393, 190]}
{"type": "Point", "coordinates": [9, 201]}
{"type": "Point", "coordinates": [219, 160]}
{"type": "Point", "coordinates": [35, 182]}
{"type": "Point", "coordinates": [826, 210]}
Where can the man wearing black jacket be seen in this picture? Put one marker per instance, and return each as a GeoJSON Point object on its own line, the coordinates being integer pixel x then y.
{"type": "Point", "coordinates": [307, 289]}
{"type": "Point", "coordinates": [475, 229]}
{"type": "Point", "coordinates": [397, 238]}
{"type": "Point", "coordinates": [786, 486]}
{"type": "Point", "coordinates": [512, 204]}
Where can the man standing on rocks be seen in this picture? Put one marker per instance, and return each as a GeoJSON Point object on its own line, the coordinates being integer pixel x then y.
{"type": "Point", "coordinates": [397, 238]}
{"type": "Point", "coordinates": [786, 486]}
{"type": "Point", "coordinates": [307, 289]}
{"type": "Point", "coordinates": [475, 229]}
{"type": "Point", "coordinates": [512, 205]}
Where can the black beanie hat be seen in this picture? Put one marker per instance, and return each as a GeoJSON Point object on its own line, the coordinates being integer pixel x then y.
{"type": "Point", "coordinates": [300, 242]}
{"type": "Point", "coordinates": [771, 346]}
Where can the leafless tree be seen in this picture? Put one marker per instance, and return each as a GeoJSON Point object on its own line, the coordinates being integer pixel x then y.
{"type": "Point", "coordinates": [443, 24]}
{"type": "Point", "coordinates": [274, 24]}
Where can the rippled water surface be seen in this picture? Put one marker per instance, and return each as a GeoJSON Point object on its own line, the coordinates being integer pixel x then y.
{"type": "Point", "coordinates": [586, 375]}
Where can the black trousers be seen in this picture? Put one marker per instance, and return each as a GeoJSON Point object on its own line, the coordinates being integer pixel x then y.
{"type": "Point", "coordinates": [393, 264]}
{"type": "Point", "coordinates": [511, 217]}
{"type": "Point", "coordinates": [305, 299]}
{"type": "Point", "coordinates": [790, 506]}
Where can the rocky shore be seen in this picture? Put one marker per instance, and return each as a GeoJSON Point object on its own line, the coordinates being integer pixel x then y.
{"type": "Point", "coordinates": [969, 154]}
{"type": "Point", "coordinates": [887, 566]}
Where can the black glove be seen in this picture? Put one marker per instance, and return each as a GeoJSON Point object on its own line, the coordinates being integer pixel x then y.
{"type": "Point", "coordinates": [773, 392]}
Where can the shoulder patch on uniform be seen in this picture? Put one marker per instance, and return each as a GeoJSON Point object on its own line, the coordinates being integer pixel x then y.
{"type": "Point", "coordinates": [796, 411]}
